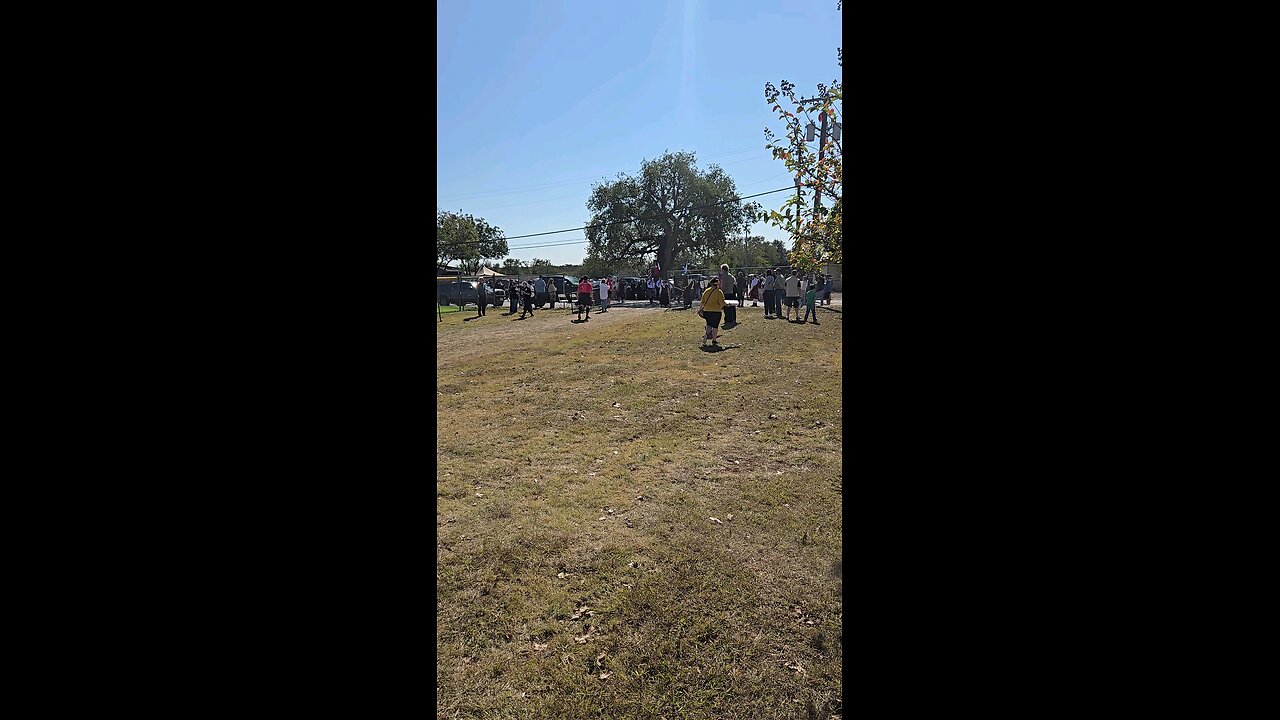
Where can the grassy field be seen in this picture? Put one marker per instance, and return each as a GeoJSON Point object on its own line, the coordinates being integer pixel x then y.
{"type": "Point", "coordinates": [630, 527]}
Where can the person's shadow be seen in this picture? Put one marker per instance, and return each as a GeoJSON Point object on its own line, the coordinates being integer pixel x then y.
{"type": "Point", "coordinates": [579, 320]}
{"type": "Point", "coordinates": [473, 317]}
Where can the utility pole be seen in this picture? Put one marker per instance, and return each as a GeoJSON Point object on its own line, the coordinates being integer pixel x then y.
{"type": "Point", "coordinates": [822, 146]}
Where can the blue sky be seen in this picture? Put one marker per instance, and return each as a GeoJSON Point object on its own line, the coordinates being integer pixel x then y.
{"type": "Point", "coordinates": [537, 100]}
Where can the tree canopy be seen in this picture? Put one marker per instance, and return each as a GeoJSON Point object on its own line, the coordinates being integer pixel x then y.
{"type": "Point", "coordinates": [469, 240]}
{"type": "Point", "coordinates": [669, 207]}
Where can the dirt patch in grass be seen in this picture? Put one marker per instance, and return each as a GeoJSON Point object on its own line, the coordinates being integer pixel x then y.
{"type": "Point", "coordinates": [631, 527]}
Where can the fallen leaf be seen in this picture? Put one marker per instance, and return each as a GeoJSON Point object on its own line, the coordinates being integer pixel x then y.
{"type": "Point", "coordinates": [539, 646]}
{"type": "Point", "coordinates": [605, 675]}
{"type": "Point", "coordinates": [716, 519]}
{"type": "Point", "coordinates": [729, 516]}
{"type": "Point", "coordinates": [523, 695]}
{"type": "Point", "coordinates": [615, 452]}
{"type": "Point", "coordinates": [582, 640]}
{"type": "Point", "coordinates": [600, 518]}
{"type": "Point", "coordinates": [479, 494]}
{"type": "Point", "coordinates": [609, 510]}
{"type": "Point", "coordinates": [772, 416]}
{"type": "Point", "coordinates": [560, 575]}
{"type": "Point", "coordinates": [737, 462]}
{"type": "Point", "coordinates": [617, 404]}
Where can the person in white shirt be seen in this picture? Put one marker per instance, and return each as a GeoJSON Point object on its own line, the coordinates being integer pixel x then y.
{"type": "Point", "coordinates": [793, 295]}
{"type": "Point", "coordinates": [653, 291]}
{"type": "Point", "coordinates": [604, 295]}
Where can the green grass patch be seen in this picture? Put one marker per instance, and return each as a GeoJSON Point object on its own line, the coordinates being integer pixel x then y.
{"type": "Point", "coordinates": [578, 571]}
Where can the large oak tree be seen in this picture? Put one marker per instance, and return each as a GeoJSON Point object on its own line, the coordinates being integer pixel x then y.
{"type": "Point", "coordinates": [669, 207]}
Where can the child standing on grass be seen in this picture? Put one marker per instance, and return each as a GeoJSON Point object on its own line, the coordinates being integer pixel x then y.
{"type": "Point", "coordinates": [810, 297]}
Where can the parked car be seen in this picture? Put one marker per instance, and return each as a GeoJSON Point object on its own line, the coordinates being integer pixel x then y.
{"type": "Point", "coordinates": [566, 286]}
{"type": "Point", "coordinates": [633, 288]}
{"type": "Point", "coordinates": [463, 292]}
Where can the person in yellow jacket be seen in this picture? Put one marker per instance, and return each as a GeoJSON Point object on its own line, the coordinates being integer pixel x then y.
{"type": "Point", "coordinates": [711, 308]}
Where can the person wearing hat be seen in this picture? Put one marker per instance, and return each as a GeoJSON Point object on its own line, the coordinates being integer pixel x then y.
{"type": "Point", "coordinates": [711, 308]}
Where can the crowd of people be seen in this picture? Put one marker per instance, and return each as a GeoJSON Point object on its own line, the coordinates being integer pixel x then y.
{"type": "Point", "coordinates": [782, 296]}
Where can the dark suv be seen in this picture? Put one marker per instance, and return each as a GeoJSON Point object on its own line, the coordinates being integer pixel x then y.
{"type": "Point", "coordinates": [564, 286]}
{"type": "Point", "coordinates": [464, 293]}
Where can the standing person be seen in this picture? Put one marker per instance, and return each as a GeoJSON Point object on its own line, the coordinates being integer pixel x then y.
{"type": "Point", "coordinates": [810, 297]}
{"type": "Point", "coordinates": [513, 292]}
{"type": "Point", "coordinates": [664, 293]}
{"type": "Point", "coordinates": [653, 289]}
{"type": "Point", "coordinates": [742, 288]}
{"type": "Point", "coordinates": [728, 283]}
{"type": "Point", "coordinates": [526, 293]}
{"type": "Point", "coordinates": [826, 290]}
{"type": "Point", "coordinates": [753, 290]}
{"type": "Point", "coordinates": [793, 296]}
{"type": "Point", "coordinates": [481, 292]}
{"type": "Point", "coordinates": [711, 308]}
{"type": "Point", "coordinates": [540, 290]}
{"type": "Point", "coordinates": [769, 285]}
{"type": "Point", "coordinates": [604, 295]}
{"type": "Point", "coordinates": [584, 297]}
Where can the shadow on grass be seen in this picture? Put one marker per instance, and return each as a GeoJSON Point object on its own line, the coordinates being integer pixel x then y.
{"type": "Point", "coordinates": [473, 317]}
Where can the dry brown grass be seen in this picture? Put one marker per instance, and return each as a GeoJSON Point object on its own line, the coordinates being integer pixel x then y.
{"type": "Point", "coordinates": [539, 475]}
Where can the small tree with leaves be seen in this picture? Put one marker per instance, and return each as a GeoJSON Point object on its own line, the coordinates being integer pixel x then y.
{"type": "Point", "coordinates": [817, 237]}
{"type": "Point", "coordinates": [469, 240]}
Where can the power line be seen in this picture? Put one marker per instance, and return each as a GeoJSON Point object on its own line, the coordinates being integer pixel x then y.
{"type": "Point", "coordinates": [615, 222]}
